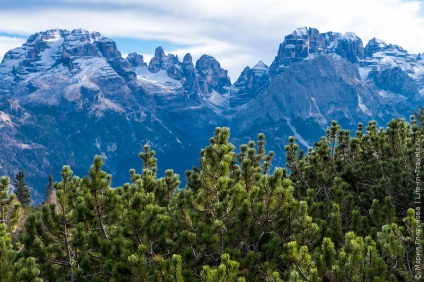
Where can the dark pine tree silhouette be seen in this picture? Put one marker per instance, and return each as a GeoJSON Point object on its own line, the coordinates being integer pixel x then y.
{"type": "Point", "coordinates": [21, 189]}
{"type": "Point", "coordinates": [49, 188]}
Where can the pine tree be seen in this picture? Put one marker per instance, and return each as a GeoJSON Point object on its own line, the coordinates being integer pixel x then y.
{"type": "Point", "coordinates": [227, 271]}
{"type": "Point", "coordinates": [212, 203]}
{"type": "Point", "coordinates": [27, 270]}
{"type": "Point", "coordinates": [273, 210]}
{"type": "Point", "coordinates": [58, 222]}
{"type": "Point", "coordinates": [21, 189]}
{"type": "Point", "coordinates": [169, 270]}
{"type": "Point", "coordinates": [392, 248]}
{"type": "Point", "coordinates": [97, 198]}
{"type": "Point", "coordinates": [97, 235]}
{"type": "Point", "coordinates": [325, 258]}
{"type": "Point", "coordinates": [13, 268]}
{"type": "Point", "coordinates": [7, 255]}
{"type": "Point", "coordinates": [299, 263]}
{"type": "Point", "coordinates": [49, 188]}
{"type": "Point", "coordinates": [9, 207]}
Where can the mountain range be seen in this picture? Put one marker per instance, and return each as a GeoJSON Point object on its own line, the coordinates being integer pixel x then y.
{"type": "Point", "coordinates": [66, 96]}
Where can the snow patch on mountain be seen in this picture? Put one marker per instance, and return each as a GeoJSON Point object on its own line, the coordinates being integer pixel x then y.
{"type": "Point", "coordinates": [72, 92]}
{"type": "Point", "coordinates": [301, 31]}
{"type": "Point", "coordinates": [216, 102]}
{"type": "Point", "coordinates": [297, 135]}
{"type": "Point", "coordinates": [23, 146]}
{"type": "Point", "coordinates": [49, 56]}
{"type": "Point", "coordinates": [92, 67]}
{"type": "Point", "coordinates": [158, 83]}
{"type": "Point", "coordinates": [317, 113]}
{"type": "Point", "coordinates": [5, 119]}
{"type": "Point", "coordinates": [362, 106]}
{"type": "Point", "coordinates": [160, 77]}
{"type": "Point", "coordinates": [364, 71]}
{"type": "Point", "coordinates": [350, 36]}
{"type": "Point", "coordinates": [386, 63]}
{"type": "Point", "coordinates": [260, 68]}
{"type": "Point", "coordinates": [104, 104]}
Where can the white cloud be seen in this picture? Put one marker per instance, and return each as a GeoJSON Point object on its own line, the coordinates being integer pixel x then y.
{"type": "Point", "coordinates": [237, 33]}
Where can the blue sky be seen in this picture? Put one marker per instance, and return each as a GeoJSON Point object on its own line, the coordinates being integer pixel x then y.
{"type": "Point", "coordinates": [238, 33]}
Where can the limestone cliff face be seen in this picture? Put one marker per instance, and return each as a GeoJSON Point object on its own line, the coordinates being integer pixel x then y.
{"type": "Point", "coordinates": [211, 76]}
{"type": "Point", "coordinates": [200, 80]}
{"type": "Point", "coordinates": [249, 84]}
{"type": "Point", "coordinates": [306, 41]}
{"type": "Point", "coordinates": [190, 81]}
{"type": "Point", "coordinates": [136, 60]}
{"type": "Point", "coordinates": [324, 88]}
{"type": "Point", "coordinates": [394, 80]}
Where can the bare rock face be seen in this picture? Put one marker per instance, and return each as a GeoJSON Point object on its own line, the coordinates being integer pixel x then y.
{"type": "Point", "coordinates": [350, 47]}
{"type": "Point", "coordinates": [373, 46]}
{"type": "Point", "coordinates": [157, 62]}
{"type": "Point", "coordinates": [306, 41]}
{"type": "Point", "coordinates": [81, 43]}
{"type": "Point", "coordinates": [211, 76]}
{"type": "Point", "coordinates": [190, 82]}
{"type": "Point", "coordinates": [394, 80]}
{"type": "Point", "coordinates": [206, 77]}
{"type": "Point", "coordinates": [296, 47]}
{"type": "Point", "coordinates": [168, 63]}
{"type": "Point", "coordinates": [173, 67]}
{"type": "Point", "coordinates": [108, 48]}
{"type": "Point", "coordinates": [249, 84]}
{"type": "Point", "coordinates": [136, 60]}
{"type": "Point", "coordinates": [323, 88]}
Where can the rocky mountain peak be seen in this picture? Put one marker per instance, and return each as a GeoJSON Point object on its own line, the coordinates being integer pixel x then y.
{"type": "Point", "coordinates": [351, 36]}
{"type": "Point", "coordinates": [296, 47]}
{"type": "Point", "coordinates": [168, 63]}
{"type": "Point", "coordinates": [350, 47]}
{"type": "Point", "coordinates": [136, 60]}
{"type": "Point", "coordinates": [374, 45]}
{"type": "Point", "coordinates": [260, 68]}
{"type": "Point", "coordinates": [187, 59]}
{"type": "Point", "coordinates": [108, 48]}
{"type": "Point", "coordinates": [78, 37]}
{"type": "Point", "coordinates": [211, 76]}
{"type": "Point", "coordinates": [198, 81]}
{"type": "Point", "coordinates": [190, 81]}
{"type": "Point", "coordinates": [157, 63]}
{"type": "Point", "coordinates": [206, 63]}
{"type": "Point", "coordinates": [159, 53]}
{"type": "Point", "coordinates": [300, 32]}
{"type": "Point", "coordinates": [303, 42]}
{"type": "Point", "coordinates": [61, 59]}
{"type": "Point", "coordinates": [250, 82]}
{"type": "Point", "coordinates": [46, 36]}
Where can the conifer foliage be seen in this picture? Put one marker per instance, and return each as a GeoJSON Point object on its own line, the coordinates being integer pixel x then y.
{"type": "Point", "coordinates": [343, 211]}
{"type": "Point", "coordinates": [49, 188]}
{"type": "Point", "coordinates": [21, 189]}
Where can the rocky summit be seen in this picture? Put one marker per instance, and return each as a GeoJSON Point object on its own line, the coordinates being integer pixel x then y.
{"type": "Point", "coordinates": [66, 96]}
